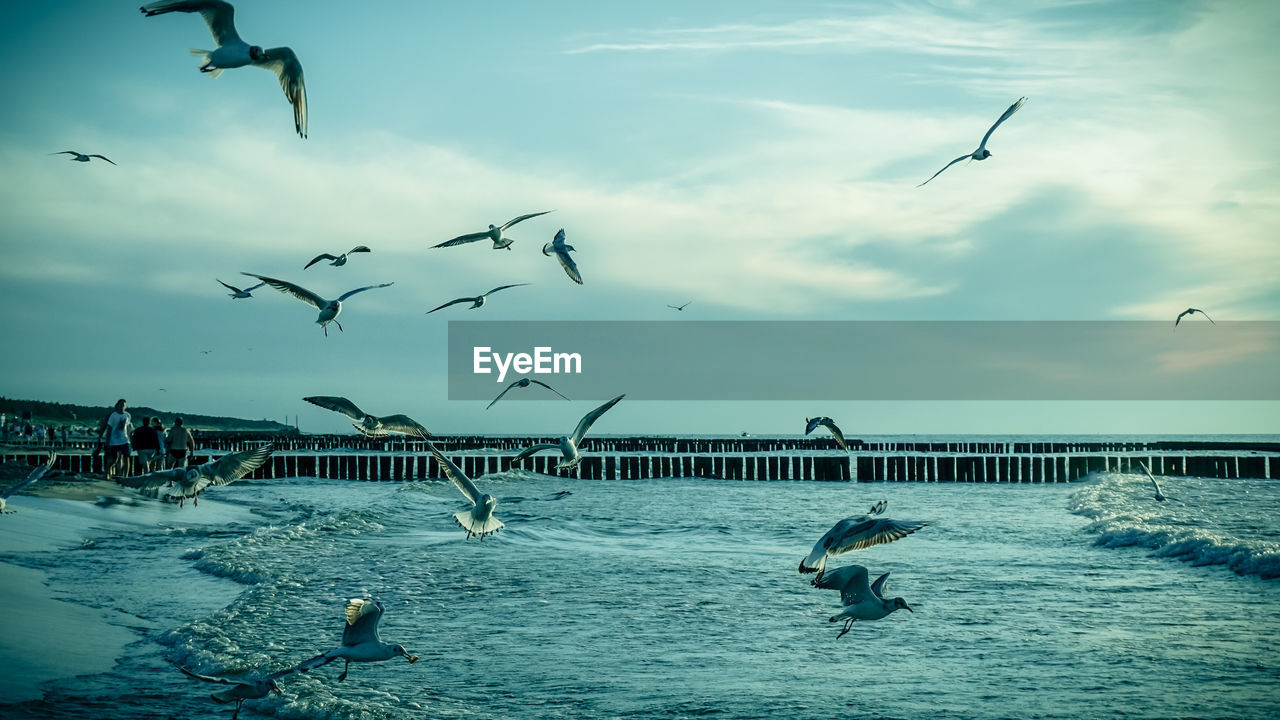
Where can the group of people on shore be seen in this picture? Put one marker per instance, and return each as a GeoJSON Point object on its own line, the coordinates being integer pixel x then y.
{"type": "Point", "coordinates": [153, 446]}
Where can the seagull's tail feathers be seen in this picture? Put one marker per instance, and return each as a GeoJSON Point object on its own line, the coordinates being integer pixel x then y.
{"type": "Point", "coordinates": [204, 56]}
{"type": "Point", "coordinates": [478, 528]}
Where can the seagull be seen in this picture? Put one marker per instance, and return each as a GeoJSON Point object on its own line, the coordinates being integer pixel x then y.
{"type": "Point", "coordinates": [369, 425]}
{"type": "Point", "coordinates": [524, 383]}
{"type": "Point", "coordinates": [338, 260]}
{"type": "Point", "coordinates": [829, 424]}
{"type": "Point", "coordinates": [1160, 496]}
{"type": "Point", "coordinates": [493, 233]}
{"type": "Point", "coordinates": [329, 309]}
{"type": "Point", "coordinates": [35, 475]}
{"type": "Point", "coordinates": [205, 352]}
{"type": "Point", "coordinates": [238, 293]}
{"type": "Point", "coordinates": [189, 482]}
{"type": "Point", "coordinates": [360, 641]}
{"type": "Point", "coordinates": [856, 533]}
{"type": "Point", "coordinates": [860, 600]}
{"type": "Point", "coordinates": [232, 52]}
{"type": "Point", "coordinates": [82, 157]}
{"type": "Point", "coordinates": [477, 301]}
{"type": "Point", "coordinates": [568, 446]}
{"type": "Point", "coordinates": [479, 520]}
{"type": "Point", "coordinates": [241, 690]}
{"type": "Point", "coordinates": [562, 251]}
{"type": "Point", "coordinates": [982, 153]}
{"type": "Point", "coordinates": [680, 307]}
{"type": "Point", "coordinates": [1192, 311]}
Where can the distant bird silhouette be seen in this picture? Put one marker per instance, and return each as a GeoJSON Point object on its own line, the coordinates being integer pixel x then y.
{"type": "Point", "coordinates": [1192, 311]}
{"type": "Point", "coordinates": [477, 301]}
{"type": "Point", "coordinates": [495, 234]}
{"type": "Point", "coordinates": [338, 260]}
{"type": "Point", "coordinates": [237, 292]}
{"type": "Point", "coordinates": [524, 383]}
{"type": "Point", "coordinates": [680, 307]}
{"type": "Point", "coordinates": [812, 424]}
{"type": "Point", "coordinates": [82, 157]}
{"type": "Point", "coordinates": [982, 153]}
{"type": "Point", "coordinates": [558, 248]}
{"type": "Point", "coordinates": [861, 601]}
{"type": "Point", "coordinates": [329, 309]}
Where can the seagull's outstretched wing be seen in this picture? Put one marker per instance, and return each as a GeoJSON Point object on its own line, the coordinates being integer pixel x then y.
{"type": "Point", "coordinates": [463, 239]}
{"type": "Point", "coordinates": [835, 433]}
{"type": "Point", "coordinates": [349, 293]}
{"type": "Point", "coordinates": [502, 287]}
{"type": "Point", "coordinates": [452, 302]}
{"type": "Point", "coordinates": [533, 449]}
{"type": "Point", "coordinates": [850, 580]}
{"type": "Point", "coordinates": [570, 267]}
{"type": "Point", "coordinates": [585, 423]}
{"type": "Point", "coordinates": [220, 16]}
{"type": "Point", "coordinates": [285, 65]}
{"type": "Point", "coordinates": [289, 288]}
{"type": "Point", "coordinates": [207, 678]}
{"type": "Point", "coordinates": [877, 587]}
{"type": "Point", "coordinates": [233, 466]}
{"type": "Point", "coordinates": [504, 392]}
{"type": "Point", "coordinates": [363, 616]}
{"type": "Point", "coordinates": [233, 288]}
{"type": "Point", "coordinates": [455, 474]}
{"type": "Point", "coordinates": [66, 152]}
{"type": "Point", "coordinates": [1012, 109]}
{"type": "Point", "coordinates": [151, 482]}
{"type": "Point", "coordinates": [359, 248]}
{"type": "Point", "coordinates": [404, 424]}
{"type": "Point", "coordinates": [944, 167]}
{"type": "Point", "coordinates": [104, 157]}
{"type": "Point", "coordinates": [321, 256]}
{"type": "Point", "coordinates": [1205, 314]}
{"type": "Point", "coordinates": [539, 382]}
{"type": "Point", "coordinates": [854, 535]}
{"type": "Point", "coordinates": [522, 218]}
{"type": "Point", "coordinates": [37, 473]}
{"type": "Point", "coordinates": [337, 404]}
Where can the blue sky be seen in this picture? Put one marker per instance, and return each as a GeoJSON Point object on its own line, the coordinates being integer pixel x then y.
{"type": "Point", "coordinates": [757, 158]}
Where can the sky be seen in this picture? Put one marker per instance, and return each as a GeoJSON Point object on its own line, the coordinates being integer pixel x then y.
{"type": "Point", "coordinates": [760, 159]}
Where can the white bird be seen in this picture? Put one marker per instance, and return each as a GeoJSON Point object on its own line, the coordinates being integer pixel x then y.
{"type": "Point", "coordinates": [36, 473]}
{"type": "Point", "coordinates": [568, 446]}
{"type": "Point", "coordinates": [360, 641]}
{"type": "Point", "coordinates": [1160, 496]}
{"type": "Point", "coordinates": [477, 301]}
{"type": "Point", "coordinates": [493, 233]}
{"type": "Point", "coordinates": [982, 153]}
{"type": "Point", "coordinates": [856, 533]}
{"type": "Point", "coordinates": [860, 601]}
{"type": "Point", "coordinates": [82, 157]}
{"type": "Point", "coordinates": [232, 52]}
{"type": "Point", "coordinates": [813, 423]}
{"type": "Point", "coordinates": [237, 292]}
{"type": "Point", "coordinates": [370, 425]}
{"type": "Point", "coordinates": [561, 252]}
{"type": "Point", "coordinates": [478, 521]}
{"type": "Point", "coordinates": [524, 383]}
{"type": "Point", "coordinates": [680, 307]}
{"type": "Point", "coordinates": [188, 482]}
{"type": "Point", "coordinates": [1192, 311]}
{"type": "Point", "coordinates": [241, 690]}
{"type": "Point", "coordinates": [329, 309]}
{"type": "Point", "coordinates": [338, 260]}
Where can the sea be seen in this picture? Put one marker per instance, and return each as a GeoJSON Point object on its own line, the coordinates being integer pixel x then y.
{"type": "Point", "coordinates": [680, 597]}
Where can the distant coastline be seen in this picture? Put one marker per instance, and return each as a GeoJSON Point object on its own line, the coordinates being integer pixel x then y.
{"type": "Point", "coordinates": [43, 413]}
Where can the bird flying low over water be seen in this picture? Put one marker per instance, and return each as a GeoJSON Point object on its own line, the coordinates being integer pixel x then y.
{"type": "Point", "coordinates": [368, 424]}
{"type": "Point", "coordinates": [232, 52]}
{"type": "Point", "coordinates": [493, 233]}
{"type": "Point", "coordinates": [477, 301]}
{"type": "Point", "coordinates": [813, 423]}
{"type": "Point", "coordinates": [188, 482]}
{"type": "Point", "coordinates": [82, 157]}
{"type": "Point", "coordinates": [360, 640]}
{"type": "Point", "coordinates": [524, 383]}
{"type": "Point", "coordinates": [238, 691]}
{"type": "Point", "coordinates": [478, 521]}
{"type": "Point", "coordinates": [561, 251]}
{"type": "Point", "coordinates": [982, 153]}
{"type": "Point", "coordinates": [860, 601]}
{"type": "Point", "coordinates": [1160, 496]}
{"type": "Point", "coordinates": [338, 260]}
{"type": "Point", "coordinates": [856, 533]}
{"type": "Point", "coordinates": [37, 473]}
{"type": "Point", "coordinates": [329, 309]}
{"type": "Point", "coordinates": [680, 307]}
{"type": "Point", "coordinates": [568, 446]}
{"type": "Point", "coordinates": [237, 292]}
{"type": "Point", "coordinates": [1192, 311]}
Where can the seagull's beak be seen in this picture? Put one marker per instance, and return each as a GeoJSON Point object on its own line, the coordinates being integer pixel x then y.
{"type": "Point", "coordinates": [907, 607]}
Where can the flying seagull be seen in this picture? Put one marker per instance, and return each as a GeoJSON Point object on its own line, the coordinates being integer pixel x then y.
{"type": "Point", "coordinates": [82, 157]}
{"type": "Point", "coordinates": [237, 292]}
{"type": "Point", "coordinates": [329, 309]}
{"type": "Point", "coordinates": [856, 533]}
{"type": "Point", "coordinates": [568, 446]}
{"type": "Point", "coordinates": [476, 301]}
{"type": "Point", "coordinates": [680, 307]}
{"type": "Point", "coordinates": [368, 424]}
{"type": "Point", "coordinates": [35, 475]}
{"type": "Point", "coordinates": [1192, 311]}
{"type": "Point", "coordinates": [338, 260]}
{"type": "Point", "coordinates": [982, 153]}
{"type": "Point", "coordinates": [232, 52]}
{"type": "Point", "coordinates": [524, 383]}
{"type": "Point", "coordinates": [813, 423]}
{"type": "Point", "coordinates": [240, 690]}
{"type": "Point", "coordinates": [561, 252]}
{"type": "Point", "coordinates": [188, 482]}
{"type": "Point", "coordinates": [360, 641]}
{"type": "Point", "coordinates": [493, 233]}
{"type": "Point", "coordinates": [1160, 496]}
{"type": "Point", "coordinates": [860, 600]}
{"type": "Point", "coordinates": [478, 521]}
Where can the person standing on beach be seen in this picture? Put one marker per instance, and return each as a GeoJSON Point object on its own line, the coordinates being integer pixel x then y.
{"type": "Point", "coordinates": [118, 426]}
{"type": "Point", "coordinates": [146, 443]}
{"type": "Point", "coordinates": [180, 443]}
{"type": "Point", "coordinates": [160, 439]}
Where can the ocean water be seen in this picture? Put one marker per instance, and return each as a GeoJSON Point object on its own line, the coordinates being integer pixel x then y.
{"type": "Point", "coordinates": [679, 598]}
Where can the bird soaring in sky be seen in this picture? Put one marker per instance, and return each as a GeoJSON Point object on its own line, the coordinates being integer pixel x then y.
{"type": "Point", "coordinates": [558, 248]}
{"type": "Point", "coordinates": [477, 301]}
{"type": "Point", "coordinates": [982, 153]}
{"type": "Point", "coordinates": [329, 309]}
{"type": "Point", "coordinates": [494, 233]}
{"type": "Point", "coordinates": [338, 260]}
{"type": "Point", "coordinates": [1192, 311]}
{"type": "Point", "coordinates": [82, 157]}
